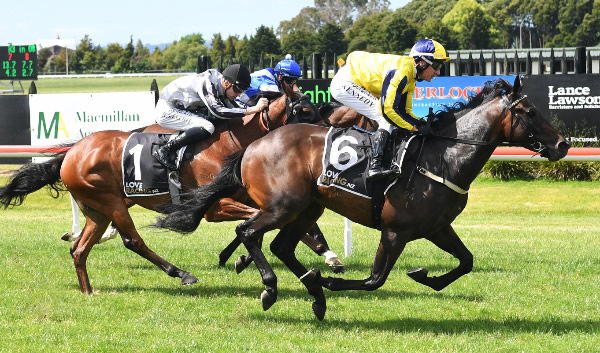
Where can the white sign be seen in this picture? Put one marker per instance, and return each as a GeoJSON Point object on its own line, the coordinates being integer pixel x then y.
{"type": "Point", "coordinates": [65, 118]}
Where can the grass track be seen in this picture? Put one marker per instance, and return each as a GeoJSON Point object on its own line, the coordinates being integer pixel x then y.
{"type": "Point", "coordinates": [534, 287]}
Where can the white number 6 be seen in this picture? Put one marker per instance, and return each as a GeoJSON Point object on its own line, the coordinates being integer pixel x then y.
{"type": "Point", "coordinates": [337, 152]}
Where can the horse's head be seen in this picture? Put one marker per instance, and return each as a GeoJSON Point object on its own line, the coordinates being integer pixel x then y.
{"type": "Point", "coordinates": [524, 125]}
{"type": "Point", "coordinates": [302, 110]}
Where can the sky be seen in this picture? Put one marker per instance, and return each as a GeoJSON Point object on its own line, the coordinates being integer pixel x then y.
{"type": "Point", "coordinates": [152, 21]}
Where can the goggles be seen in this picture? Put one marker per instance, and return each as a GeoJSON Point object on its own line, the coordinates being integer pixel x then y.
{"type": "Point", "coordinates": [290, 80]}
{"type": "Point", "coordinates": [435, 64]}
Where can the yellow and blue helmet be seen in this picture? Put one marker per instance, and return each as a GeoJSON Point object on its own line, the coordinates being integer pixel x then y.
{"type": "Point", "coordinates": [429, 50]}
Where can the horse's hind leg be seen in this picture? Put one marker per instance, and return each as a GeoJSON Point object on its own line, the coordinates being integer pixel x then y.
{"type": "Point", "coordinates": [284, 246]}
{"type": "Point", "coordinates": [95, 225]}
{"type": "Point", "coordinates": [447, 240]}
{"type": "Point", "coordinates": [250, 232]}
{"type": "Point", "coordinates": [134, 242]}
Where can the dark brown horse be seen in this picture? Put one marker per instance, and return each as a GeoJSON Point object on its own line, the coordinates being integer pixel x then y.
{"type": "Point", "coordinates": [91, 171]}
{"type": "Point", "coordinates": [280, 173]}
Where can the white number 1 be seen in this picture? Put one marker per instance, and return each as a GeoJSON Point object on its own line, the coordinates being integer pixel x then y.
{"type": "Point", "coordinates": [137, 157]}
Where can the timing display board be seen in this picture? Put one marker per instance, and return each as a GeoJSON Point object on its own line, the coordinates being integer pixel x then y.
{"type": "Point", "coordinates": [18, 62]}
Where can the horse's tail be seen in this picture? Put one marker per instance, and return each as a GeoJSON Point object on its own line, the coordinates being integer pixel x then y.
{"type": "Point", "coordinates": [32, 177]}
{"type": "Point", "coordinates": [186, 217]}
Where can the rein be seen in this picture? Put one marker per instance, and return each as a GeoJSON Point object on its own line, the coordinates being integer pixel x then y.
{"type": "Point", "coordinates": [511, 107]}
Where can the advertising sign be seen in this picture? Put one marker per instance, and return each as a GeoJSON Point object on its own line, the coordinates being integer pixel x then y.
{"type": "Point", "coordinates": [64, 118]}
{"type": "Point", "coordinates": [434, 94]}
{"type": "Point", "coordinates": [571, 103]}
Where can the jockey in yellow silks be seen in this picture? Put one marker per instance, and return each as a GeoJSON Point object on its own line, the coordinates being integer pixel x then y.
{"type": "Point", "coordinates": [381, 87]}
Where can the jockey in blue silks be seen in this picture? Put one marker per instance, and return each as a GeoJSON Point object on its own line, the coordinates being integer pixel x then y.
{"type": "Point", "coordinates": [286, 73]}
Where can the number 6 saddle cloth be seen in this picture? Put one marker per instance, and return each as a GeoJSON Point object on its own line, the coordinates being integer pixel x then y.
{"type": "Point", "coordinates": [143, 175]}
{"type": "Point", "coordinates": [346, 157]}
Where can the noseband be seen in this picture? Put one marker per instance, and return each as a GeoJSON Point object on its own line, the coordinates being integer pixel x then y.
{"type": "Point", "coordinates": [536, 145]}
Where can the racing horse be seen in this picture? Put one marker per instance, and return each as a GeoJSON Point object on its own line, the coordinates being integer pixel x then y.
{"type": "Point", "coordinates": [280, 172]}
{"type": "Point", "coordinates": [91, 171]}
{"type": "Point", "coordinates": [330, 114]}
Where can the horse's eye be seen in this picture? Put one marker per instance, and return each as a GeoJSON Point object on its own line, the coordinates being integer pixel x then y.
{"type": "Point", "coordinates": [531, 112]}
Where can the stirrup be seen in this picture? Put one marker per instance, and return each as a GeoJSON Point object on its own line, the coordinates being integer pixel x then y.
{"type": "Point", "coordinates": [164, 160]}
{"type": "Point", "coordinates": [378, 173]}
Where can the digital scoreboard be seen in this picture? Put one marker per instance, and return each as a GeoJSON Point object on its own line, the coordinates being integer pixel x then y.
{"type": "Point", "coordinates": [18, 62]}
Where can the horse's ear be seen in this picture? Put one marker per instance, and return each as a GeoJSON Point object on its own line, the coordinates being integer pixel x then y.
{"type": "Point", "coordinates": [517, 86]}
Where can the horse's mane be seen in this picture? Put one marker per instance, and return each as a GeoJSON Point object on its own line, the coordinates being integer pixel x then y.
{"type": "Point", "coordinates": [269, 95]}
{"type": "Point", "coordinates": [326, 108]}
{"type": "Point", "coordinates": [450, 113]}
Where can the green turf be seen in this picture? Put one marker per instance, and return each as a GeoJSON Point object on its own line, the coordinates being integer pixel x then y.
{"type": "Point", "coordinates": [534, 286]}
{"type": "Point", "coordinates": [98, 84]}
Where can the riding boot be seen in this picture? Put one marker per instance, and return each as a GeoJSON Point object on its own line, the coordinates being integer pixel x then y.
{"type": "Point", "coordinates": [163, 153]}
{"type": "Point", "coordinates": [376, 167]}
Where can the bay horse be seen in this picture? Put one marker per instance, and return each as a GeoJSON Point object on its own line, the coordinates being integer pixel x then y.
{"type": "Point", "coordinates": [91, 171]}
{"type": "Point", "coordinates": [280, 172]}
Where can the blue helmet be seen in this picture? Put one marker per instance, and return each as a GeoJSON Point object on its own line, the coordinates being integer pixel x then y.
{"type": "Point", "coordinates": [288, 67]}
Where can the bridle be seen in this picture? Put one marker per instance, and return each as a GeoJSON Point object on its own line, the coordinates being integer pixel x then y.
{"type": "Point", "coordinates": [516, 120]}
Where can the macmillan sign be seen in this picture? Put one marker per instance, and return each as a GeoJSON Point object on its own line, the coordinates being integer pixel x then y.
{"type": "Point", "coordinates": [65, 118]}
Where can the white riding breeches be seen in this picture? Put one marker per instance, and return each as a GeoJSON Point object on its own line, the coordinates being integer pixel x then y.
{"type": "Point", "coordinates": [171, 117]}
{"type": "Point", "coordinates": [345, 91]}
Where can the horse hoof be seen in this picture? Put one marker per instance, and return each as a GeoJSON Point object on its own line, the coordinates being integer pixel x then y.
{"type": "Point", "coordinates": [68, 236]}
{"type": "Point", "coordinates": [240, 264]}
{"type": "Point", "coordinates": [336, 265]}
{"type": "Point", "coordinates": [268, 297]}
{"type": "Point", "coordinates": [188, 279]}
{"type": "Point", "coordinates": [418, 274]}
{"type": "Point", "coordinates": [319, 310]}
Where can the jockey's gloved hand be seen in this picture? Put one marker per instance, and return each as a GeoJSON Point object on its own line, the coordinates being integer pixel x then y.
{"type": "Point", "coordinates": [424, 128]}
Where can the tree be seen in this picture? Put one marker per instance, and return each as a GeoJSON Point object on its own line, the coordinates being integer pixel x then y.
{"type": "Point", "coordinates": [435, 29]}
{"type": "Point", "coordinates": [365, 34]}
{"type": "Point", "coordinates": [330, 40]}
{"type": "Point", "coordinates": [217, 47]}
{"type": "Point", "coordinates": [420, 11]}
{"type": "Point", "coordinates": [183, 55]}
{"type": "Point", "coordinates": [397, 34]}
{"type": "Point", "coordinates": [264, 42]}
{"type": "Point", "coordinates": [473, 26]}
{"type": "Point", "coordinates": [299, 43]}
{"type": "Point", "coordinates": [307, 20]}
{"type": "Point", "coordinates": [83, 58]}
{"type": "Point", "coordinates": [230, 46]}
{"type": "Point", "coordinates": [42, 58]}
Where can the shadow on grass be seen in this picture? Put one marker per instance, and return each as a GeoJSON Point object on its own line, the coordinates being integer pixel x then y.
{"type": "Point", "coordinates": [553, 325]}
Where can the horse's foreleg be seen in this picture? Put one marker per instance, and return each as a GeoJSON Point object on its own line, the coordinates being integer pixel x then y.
{"type": "Point", "coordinates": [447, 240]}
{"type": "Point", "coordinates": [229, 210]}
{"type": "Point", "coordinates": [390, 247]}
{"type": "Point", "coordinates": [316, 241]}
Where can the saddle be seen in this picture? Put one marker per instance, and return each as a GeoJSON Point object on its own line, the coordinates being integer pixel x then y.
{"type": "Point", "coordinates": [346, 158]}
{"type": "Point", "coordinates": [143, 175]}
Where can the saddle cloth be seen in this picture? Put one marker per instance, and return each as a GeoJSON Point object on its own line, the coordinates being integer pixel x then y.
{"type": "Point", "coordinates": [143, 175]}
{"type": "Point", "coordinates": [346, 158]}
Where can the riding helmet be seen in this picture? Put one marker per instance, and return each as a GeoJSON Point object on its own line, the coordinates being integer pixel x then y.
{"type": "Point", "coordinates": [429, 50]}
{"type": "Point", "coordinates": [288, 67]}
{"type": "Point", "coordinates": [238, 75]}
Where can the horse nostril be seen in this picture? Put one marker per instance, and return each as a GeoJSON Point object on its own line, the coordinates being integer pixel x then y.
{"type": "Point", "coordinates": [563, 146]}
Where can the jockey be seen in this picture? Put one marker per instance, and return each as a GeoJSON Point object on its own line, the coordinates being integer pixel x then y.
{"type": "Point", "coordinates": [193, 103]}
{"type": "Point", "coordinates": [279, 79]}
{"type": "Point", "coordinates": [381, 87]}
